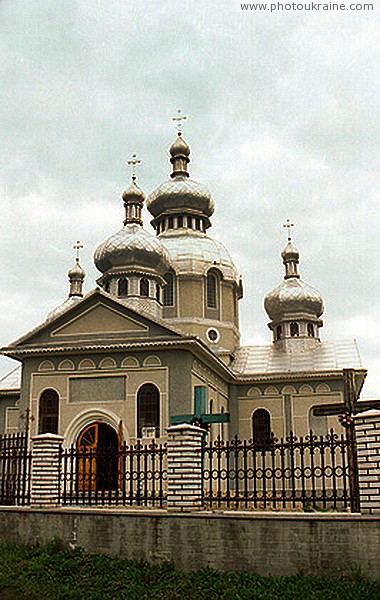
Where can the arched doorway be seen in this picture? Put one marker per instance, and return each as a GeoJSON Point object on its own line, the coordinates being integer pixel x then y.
{"type": "Point", "coordinates": [97, 467]}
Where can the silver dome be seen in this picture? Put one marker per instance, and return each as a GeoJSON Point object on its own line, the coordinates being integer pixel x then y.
{"type": "Point", "coordinates": [291, 297]}
{"type": "Point", "coordinates": [196, 253]}
{"type": "Point", "coordinates": [180, 193]}
{"type": "Point", "coordinates": [132, 246]}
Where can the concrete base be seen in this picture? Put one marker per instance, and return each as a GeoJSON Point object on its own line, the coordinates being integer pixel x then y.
{"type": "Point", "coordinates": [265, 543]}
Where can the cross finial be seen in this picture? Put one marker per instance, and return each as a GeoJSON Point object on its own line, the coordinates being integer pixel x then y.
{"type": "Point", "coordinates": [78, 246]}
{"type": "Point", "coordinates": [178, 121]}
{"type": "Point", "coordinates": [289, 226]}
{"type": "Point", "coordinates": [132, 162]}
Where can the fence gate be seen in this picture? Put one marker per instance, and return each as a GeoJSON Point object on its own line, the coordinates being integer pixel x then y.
{"type": "Point", "coordinates": [311, 472]}
{"type": "Point", "coordinates": [15, 469]}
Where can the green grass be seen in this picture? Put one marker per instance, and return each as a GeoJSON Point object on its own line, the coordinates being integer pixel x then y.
{"type": "Point", "coordinates": [54, 572]}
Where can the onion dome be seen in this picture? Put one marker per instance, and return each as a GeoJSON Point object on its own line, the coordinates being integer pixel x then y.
{"type": "Point", "coordinates": [293, 297]}
{"type": "Point", "coordinates": [132, 247]}
{"type": "Point", "coordinates": [294, 307]}
{"type": "Point", "coordinates": [76, 277]}
{"type": "Point", "coordinates": [181, 194]}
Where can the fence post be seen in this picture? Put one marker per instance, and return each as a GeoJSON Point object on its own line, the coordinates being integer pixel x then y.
{"type": "Point", "coordinates": [367, 426]}
{"type": "Point", "coordinates": [45, 469]}
{"type": "Point", "coordinates": [184, 469]}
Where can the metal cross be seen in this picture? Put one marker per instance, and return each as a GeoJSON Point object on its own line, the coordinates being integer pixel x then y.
{"type": "Point", "coordinates": [132, 163]}
{"type": "Point", "coordinates": [78, 246]}
{"type": "Point", "coordinates": [178, 120]}
{"type": "Point", "coordinates": [289, 226]}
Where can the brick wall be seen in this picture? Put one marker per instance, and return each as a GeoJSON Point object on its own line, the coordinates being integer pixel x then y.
{"type": "Point", "coordinates": [367, 426]}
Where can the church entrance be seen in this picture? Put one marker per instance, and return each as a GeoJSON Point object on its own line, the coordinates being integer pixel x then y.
{"type": "Point", "coordinates": [97, 467]}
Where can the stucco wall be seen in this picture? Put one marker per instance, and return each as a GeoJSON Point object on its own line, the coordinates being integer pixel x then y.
{"type": "Point", "coordinates": [276, 544]}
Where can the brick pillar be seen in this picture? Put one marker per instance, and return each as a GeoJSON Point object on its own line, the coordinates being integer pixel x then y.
{"type": "Point", "coordinates": [184, 468]}
{"type": "Point", "coordinates": [45, 469]}
{"type": "Point", "coordinates": [367, 426]}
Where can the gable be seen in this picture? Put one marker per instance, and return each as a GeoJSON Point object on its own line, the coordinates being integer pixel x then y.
{"type": "Point", "coordinates": [99, 320]}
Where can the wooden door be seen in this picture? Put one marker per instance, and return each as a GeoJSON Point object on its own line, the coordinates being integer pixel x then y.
{"type": "Point", "coordinates": [86, 467]}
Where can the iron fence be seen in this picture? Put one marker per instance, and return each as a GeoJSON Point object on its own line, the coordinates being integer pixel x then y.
{"type": "Point", "coordinates": [306, 472]}
{"type": "Point", "coordinates": [15, 470]}
{"type": "Point", "coordinates": [132, 475]}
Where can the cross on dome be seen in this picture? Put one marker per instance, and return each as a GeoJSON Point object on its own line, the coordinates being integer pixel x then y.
{"type": "Point", "coordinates": [132, 162]}
{"type": "Point", "coordinates": [78, 246]}
{"type": "Point", "coordinates": [289, 226]}
{"type": "Point", "coordinates": [178, 121]}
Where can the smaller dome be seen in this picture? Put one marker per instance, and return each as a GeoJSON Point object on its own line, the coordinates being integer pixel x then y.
{"type": "Point", "coordinates": [179, 147]}
{"type": "Point", "coordinates": [134, 247]}
{"type": "Point", "coordinates": [133, 193]}
{"type": "Point", "coordinates": [77, 272]}
{"type": "Point", "coordinates": [292, 297]}
{"type": "Point", "coordinates": [290, 253]}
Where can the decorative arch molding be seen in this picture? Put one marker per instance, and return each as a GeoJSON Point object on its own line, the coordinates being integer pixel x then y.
{"type": "Point", "coordinates": [66, 365]}
{"type": "Point", "coordinates": [107, 363]}
{"type": "Point", "coordinates": [306, 389]}
{"type": "Point", "coordinates": [288, 389]}
{"type": "Point", "coordinates": [254, 391]}
{"type": "Point", "coordinates": [271, 390]}
{"type": "Point", "coordinates": [87, 417]}
{"type": "Point", "coordinates": [152, 361]}
{"type": "Point", "coordinates": [46, 365]}
{"type": "Point", "coordinates": [323, 388]}
{"type": "Point", "coordinates": [86, 364]}
{"type": "Point", "coordinates": [130, 361]}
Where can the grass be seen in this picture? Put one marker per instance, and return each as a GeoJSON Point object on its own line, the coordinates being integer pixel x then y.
{"type": "Point", "coordinates": [57, 573]}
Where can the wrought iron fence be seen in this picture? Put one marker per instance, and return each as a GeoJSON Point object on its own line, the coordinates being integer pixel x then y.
{"type": "Point", "coordinates": [15, 470]}
{"type": "Point", "coordinates": [132, 475]}
{"type": "Point", "coordinates": [305, 472]}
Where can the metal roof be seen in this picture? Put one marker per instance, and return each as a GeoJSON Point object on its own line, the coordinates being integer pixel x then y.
{"type": "Point", "coordinates": [326, 356]}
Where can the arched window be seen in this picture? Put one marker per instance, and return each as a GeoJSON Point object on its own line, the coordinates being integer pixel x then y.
{"type": "Point", "coordinates": [198, 224]}
{"type": "Point", "coordinates": [310, 329]}
{"type": "Point", "coordinates": [168, 291]}
{"type": "Point", "coordinates": [144, 287]}
{"type": "Point", "coordinates": [211, 285]}
{"type": "Point", "coordinates": [158, 292]}
{"type": "Point", "coordinates": [180, 222]}
{"type": "Point", "coordinates": [190, 222]}
{"type": "Point", "coordinates": [171, 223]}
{"type": "Point", "coordinates": [261, 429]}
{"type": "Point", "coordinates": [122, 287]}
{"type": "Point", "coordinates": [48, 412]}
{"type": "Point", "coordinates": [107, 287]}
{"type": "Point", "coordinates": [148, 409]}
{"type": "Point", "coordinates": [279, 332]}
{"type": "Point", "coordinates": [294, 329]}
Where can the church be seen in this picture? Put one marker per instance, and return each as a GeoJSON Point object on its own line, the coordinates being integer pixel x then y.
{"type": "Point", "coordinates": [157, 341]}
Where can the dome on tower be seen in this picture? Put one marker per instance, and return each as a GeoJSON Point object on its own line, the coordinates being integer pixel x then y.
{"type": "Point", "coordinates": [132, 246]}
{"type": "Point", "coordinates": [291, 297]}
{"type": "Point", "coordinates": [181, 193]}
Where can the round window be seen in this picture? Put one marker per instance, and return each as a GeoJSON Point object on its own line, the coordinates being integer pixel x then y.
{"type": "Point", "coordinates": [213, 335]}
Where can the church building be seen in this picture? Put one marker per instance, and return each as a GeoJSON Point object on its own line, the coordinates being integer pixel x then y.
{"type": "Point", "coordinates": [157, 341]}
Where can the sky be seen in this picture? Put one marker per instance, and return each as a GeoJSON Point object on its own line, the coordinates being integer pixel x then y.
{"type": "Point", "coordinates": [283, 123]}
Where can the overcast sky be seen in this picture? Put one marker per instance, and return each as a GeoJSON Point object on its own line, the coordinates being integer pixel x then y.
{"type": "Point", "coordinates": [283, 122]}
